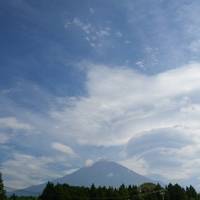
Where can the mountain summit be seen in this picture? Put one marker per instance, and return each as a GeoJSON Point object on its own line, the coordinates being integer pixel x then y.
{"type": "Point", "coordinates": [101, 173]}
{"type": "Point", "coordinates": [104, 173]}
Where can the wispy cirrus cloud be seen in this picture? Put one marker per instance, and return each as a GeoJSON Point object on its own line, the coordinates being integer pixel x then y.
{"type": "Point", "coordinates": [95, 35]}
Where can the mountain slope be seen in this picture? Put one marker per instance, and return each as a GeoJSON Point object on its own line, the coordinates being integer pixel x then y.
{"type": "Point", "coordinates": [102, 173]}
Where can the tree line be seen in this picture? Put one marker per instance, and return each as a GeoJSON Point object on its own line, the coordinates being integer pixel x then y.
{"type": "Point", "coordinates": [146, 191]}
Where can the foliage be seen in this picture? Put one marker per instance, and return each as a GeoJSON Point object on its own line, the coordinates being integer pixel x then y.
{"type": "Point", "coordinates": [147, 191]}
{"type": "Point", "coordinates": [14, 197]}
{"type": "Point", "coordinates": [2, 191]}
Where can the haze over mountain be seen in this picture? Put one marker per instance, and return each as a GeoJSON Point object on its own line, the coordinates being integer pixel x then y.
{"type": "Point", "coordinates": [101, 173]}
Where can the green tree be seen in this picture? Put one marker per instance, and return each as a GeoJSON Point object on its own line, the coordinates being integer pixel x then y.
{"type": "Point", "coordinates": [2, 191]}
{"type": "Point", "coordinates": [175, 192]}
{"type": "Point", "coordinates": [13, 197]}
{"type": "Point", "coordinates": [191, 193]}
{"type": "Point", "coordinates": [123, 192]}
{"type": "Point", "coordinates": [93, 194]}
{"type": "Point", "coordinates": [49, 192]}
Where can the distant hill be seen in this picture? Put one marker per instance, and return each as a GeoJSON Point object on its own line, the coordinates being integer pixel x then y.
{"type": "Point", "coordinates": [101, 173]}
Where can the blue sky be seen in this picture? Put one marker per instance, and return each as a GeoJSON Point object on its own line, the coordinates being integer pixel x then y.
{"type": "Point", "coordinates": [81, 81]}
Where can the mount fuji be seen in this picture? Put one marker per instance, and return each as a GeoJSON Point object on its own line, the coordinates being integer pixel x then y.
{"type": "Point", "coordinates": [101, 173]}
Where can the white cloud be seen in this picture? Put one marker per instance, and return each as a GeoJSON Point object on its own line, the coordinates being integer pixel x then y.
{"type": "Point", "coordinates": [25, 170]}
{"type": "Point", "coordinates": [13, 123]}
{"type": "Point", "coordinates": [123, 103]}
{"type": "Point", "coordinates": [137, 164]}
{"type": "Point", "coordinates": [64, 149]}
{"type": "Point", "coordinates": [89, 162]}
{"type": "Point", "coordinates": [170, 154]}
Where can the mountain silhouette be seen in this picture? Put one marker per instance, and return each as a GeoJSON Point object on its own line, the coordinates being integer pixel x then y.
{"type": "Point", "coordinates": [101, 173]}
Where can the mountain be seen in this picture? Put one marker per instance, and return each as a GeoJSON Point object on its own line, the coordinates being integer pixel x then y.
{"type": "Point", "coordinates": [101, 173]}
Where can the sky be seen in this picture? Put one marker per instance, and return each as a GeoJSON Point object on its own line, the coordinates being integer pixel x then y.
{"type": "Point", "coordinates": [87, 80]}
